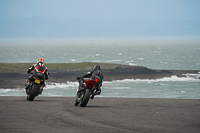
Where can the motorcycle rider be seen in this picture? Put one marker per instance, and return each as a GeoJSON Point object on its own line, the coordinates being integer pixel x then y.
{"type": "Point", "coordinates": [38, 67]}
{"type": "Point", "coordinates": [97, 75]}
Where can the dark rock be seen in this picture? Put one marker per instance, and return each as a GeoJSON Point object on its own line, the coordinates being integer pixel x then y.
{"type": "Point", "coordinates": [120, 72]}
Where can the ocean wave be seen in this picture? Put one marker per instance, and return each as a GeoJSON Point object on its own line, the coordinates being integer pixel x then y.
{"type": "Point", "coordinates": [117, 60]}
{"type": "Point", "coordinates": [173, 78]}
{"type": "Point", "coordinates": [133, 87]}
{"type": "Point", "coordinates": [25, 61]}
{"type": "Point", "coordinates": [132, 64]}
{"type": "Point", "coordinates": [68, 85]}
{"type": "Point", "coordinates": [12, 92]}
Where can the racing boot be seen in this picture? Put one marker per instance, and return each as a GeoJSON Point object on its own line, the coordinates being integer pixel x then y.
{"type": "Point", "coordinates": [27, 87]}
{"type": "Point", "coordinates": [92, 97]}
{"type": "Point", "coordinates": [97, 92]}
{"type": "Point", "coordinates": [41, 89]}
{"type": "Point", "coordinates": [27, 84]}
{"type": "Point", "coordinates": [77, 101]}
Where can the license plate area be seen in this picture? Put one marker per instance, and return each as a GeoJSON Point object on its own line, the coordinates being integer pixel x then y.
{"type": "Point", "coordinates": [37, 81]}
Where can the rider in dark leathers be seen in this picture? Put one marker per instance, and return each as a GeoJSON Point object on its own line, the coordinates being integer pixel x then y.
{"type": "Point", "coordinates": [38, 67]}
{"type": "Point", "coordinates": [97, 75]}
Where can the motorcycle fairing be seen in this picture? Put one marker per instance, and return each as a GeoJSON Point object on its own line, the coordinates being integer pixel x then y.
{"type": "Point", "coordinates": [90, 83]}
{"type": "Point", "coordinates": [96, 79]}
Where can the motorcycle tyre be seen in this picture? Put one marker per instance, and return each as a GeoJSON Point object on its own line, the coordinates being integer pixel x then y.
{"type": "Point", "coordinates": [86, 98]}
{"type": "Point", "coordinates": [34, 92]}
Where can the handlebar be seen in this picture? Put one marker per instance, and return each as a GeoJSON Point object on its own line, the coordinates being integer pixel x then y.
{"type": "Point", "coordinates": [32, 73]}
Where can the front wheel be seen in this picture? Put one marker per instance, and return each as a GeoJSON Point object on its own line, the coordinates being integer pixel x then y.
{"type": "Point", "coordinates": [34, 92]}
{"type": "Point", "coordinates": [85, 98]}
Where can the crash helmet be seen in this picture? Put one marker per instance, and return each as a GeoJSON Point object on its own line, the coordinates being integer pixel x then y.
{"type": "Point", "coordinates": [97, 67]}
{"type": "Point", "coordinates": [40, 62]}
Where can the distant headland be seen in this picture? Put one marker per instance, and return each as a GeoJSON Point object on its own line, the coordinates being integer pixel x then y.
{"type": "Point", "coordinates": [13, 75]}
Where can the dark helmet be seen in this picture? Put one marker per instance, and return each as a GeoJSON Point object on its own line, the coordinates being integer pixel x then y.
{"type": "Point", "coordinates": [97, 67]}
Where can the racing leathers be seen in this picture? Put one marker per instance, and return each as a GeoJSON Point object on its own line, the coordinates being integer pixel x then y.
{"type": "Point", "coordinates": [38, 67]}
{"type": "Point", "coordinates": [97, 75]}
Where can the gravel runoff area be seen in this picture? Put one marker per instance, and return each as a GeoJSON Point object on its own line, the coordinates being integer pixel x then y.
{"type": "Point", "coordinates": [101, 115]}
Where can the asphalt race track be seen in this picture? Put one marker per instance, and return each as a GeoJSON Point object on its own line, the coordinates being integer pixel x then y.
{"type": "Point", "coordinates": [101, 115]}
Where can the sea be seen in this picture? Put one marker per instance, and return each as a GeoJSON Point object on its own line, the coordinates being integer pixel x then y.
{"type": "Point", "coordinates": [174, 54]}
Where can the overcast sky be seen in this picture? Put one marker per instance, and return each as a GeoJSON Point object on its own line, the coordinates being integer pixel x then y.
{"type": "Point", "coordinates": [163, 12]}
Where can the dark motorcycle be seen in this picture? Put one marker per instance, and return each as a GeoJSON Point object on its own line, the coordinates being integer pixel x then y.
{"type": "Point", "coordinates": [87, 87]}
{"type": "Point", "coordinates": [36, 87]}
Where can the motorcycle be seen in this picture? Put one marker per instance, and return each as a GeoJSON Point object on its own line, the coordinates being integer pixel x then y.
{"type": "Point", "coordinates": [36, 87]}
{"type": "Point", "coordinates": [85, 91]}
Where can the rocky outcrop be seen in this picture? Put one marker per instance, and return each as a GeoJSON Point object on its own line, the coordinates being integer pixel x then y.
{"type": "Point", "coordinates": [17, 79]}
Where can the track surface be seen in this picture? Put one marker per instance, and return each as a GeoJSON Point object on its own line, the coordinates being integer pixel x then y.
{"type": "Point", "coordinates": [106, 115]}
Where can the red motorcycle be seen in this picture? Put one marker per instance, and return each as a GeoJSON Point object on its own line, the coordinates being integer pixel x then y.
{"type": "Point", "coordinates": [87, 87]}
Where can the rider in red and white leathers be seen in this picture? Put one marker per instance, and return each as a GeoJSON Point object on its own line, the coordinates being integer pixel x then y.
{"type": "Point", "coordinates": [38, 67]}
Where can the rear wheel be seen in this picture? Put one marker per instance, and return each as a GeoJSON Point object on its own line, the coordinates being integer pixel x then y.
{"type": "Point", "coordinates": [85, 98]}
{"type": "Point", "coordinates": [34, 92]}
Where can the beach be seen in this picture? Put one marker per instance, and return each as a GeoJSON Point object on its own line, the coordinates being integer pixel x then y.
{"type": "Point", "coordinates": [102, 114]}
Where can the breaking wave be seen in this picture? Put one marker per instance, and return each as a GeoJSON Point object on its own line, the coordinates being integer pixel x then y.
{"type": "Point", "coordinates": [173, 78]}
{"type": "Point", "coordinates": [167, 87]}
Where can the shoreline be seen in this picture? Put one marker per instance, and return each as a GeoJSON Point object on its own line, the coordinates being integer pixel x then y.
{"type": "Point", "coordinates": [13, 75]}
